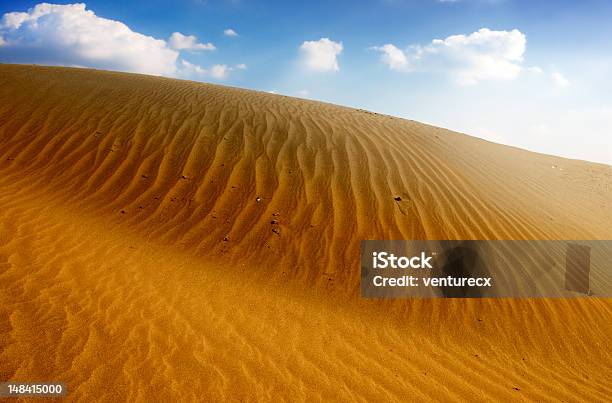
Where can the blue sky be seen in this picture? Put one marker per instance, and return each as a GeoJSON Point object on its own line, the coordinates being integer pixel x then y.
{"type": "Point", "coordinates": [534, 74]}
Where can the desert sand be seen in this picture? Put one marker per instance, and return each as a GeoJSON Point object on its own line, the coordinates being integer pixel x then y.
{"type": "Point", "coordinates": [166, 240]}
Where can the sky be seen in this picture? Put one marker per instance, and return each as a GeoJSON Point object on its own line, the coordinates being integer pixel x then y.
{"type": "Point", "coordinates": [532, 74]}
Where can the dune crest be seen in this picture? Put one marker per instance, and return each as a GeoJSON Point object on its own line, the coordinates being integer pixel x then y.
{"type": "Point", "coordinates": [169, 238]}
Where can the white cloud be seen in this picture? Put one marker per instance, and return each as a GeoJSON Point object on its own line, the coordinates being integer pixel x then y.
{"type": "Point", "coordinates": [71, 35]}
{"type": "Point", "coordinates": [241, 66]}
{"type": "Point", "coordinates": [559, 79]}
{"type": "Point", "coordinates": [393, 57]}
{"type": "Point", "coordinates": [230, 32]}
{"type": "Point", "coordinates": [194, 71]}
{"type": "Point", "coordinates": [179, 41]}
{"type": "Point", "coordinates": [220, 71]}
{"type": "Point", "coordinates": [302, 93]}
{"type": "Point", "coordinates": [190, 70]}
{"type": "Point", "coordinates": [468, 59]}
{"type": "Point", "coordinates": [321, 55]}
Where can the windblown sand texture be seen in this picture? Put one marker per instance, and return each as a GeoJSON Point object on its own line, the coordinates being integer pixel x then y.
{"type": "Point", "coordinates": [173, 241]}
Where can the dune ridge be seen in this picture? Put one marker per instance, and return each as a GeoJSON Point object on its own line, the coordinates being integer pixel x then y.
{"type": "Point", "coordinates": [177, 239]}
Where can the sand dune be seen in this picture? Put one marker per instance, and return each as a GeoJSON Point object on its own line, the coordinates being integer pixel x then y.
{"type": "Point", "coordinates": [164, 239]}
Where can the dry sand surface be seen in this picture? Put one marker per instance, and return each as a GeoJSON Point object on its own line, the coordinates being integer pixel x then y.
{"type": "Point", "coordinates": [174, 241]}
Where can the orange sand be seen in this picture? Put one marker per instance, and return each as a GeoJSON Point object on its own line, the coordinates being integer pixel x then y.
{"type": "Point", "coordinates": [136, 262]}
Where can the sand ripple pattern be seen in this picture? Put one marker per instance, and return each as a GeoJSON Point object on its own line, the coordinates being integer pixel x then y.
{"type": "Point", "coordinates": [170, 240]}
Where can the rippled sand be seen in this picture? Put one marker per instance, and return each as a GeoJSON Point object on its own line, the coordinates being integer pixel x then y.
{"type": "Point", "coordinates": [171, 240]}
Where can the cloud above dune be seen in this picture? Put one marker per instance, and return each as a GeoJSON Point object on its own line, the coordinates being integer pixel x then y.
{"type": "Point", "coordinates": [467, 59]}
{"type": "Point", "coordinates": [72, 35]}
{"type": "Point", "coordinates": [216, 71]}
{"type": "Point", "coordinates": [179, 41]}
{"type": "Point", "coordinates": [394, 57]}
{"type": "Point", "coordinates": [191, 70]}
{"type": "Point", "coordinates": [220, 71]}
{"type": "Point", "coordinates": [321, 55]}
